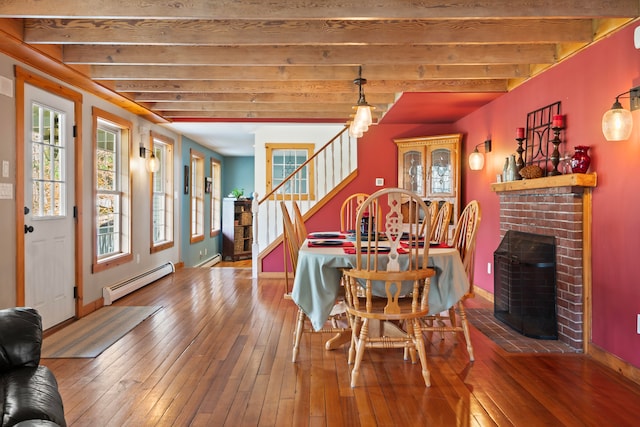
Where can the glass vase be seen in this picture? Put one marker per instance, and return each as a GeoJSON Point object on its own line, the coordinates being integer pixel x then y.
{"type": "Point", "coordinates": [580, 161]}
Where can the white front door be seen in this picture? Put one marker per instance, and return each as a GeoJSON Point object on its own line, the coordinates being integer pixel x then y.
{"type": "Point", "coordinates": [48, 197]}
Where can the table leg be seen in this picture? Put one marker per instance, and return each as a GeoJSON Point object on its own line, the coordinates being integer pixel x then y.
{"type": "Point", "coordinates": [338, 340]}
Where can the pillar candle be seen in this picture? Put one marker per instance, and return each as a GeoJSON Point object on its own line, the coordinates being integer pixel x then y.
{"type": "Point", "coordinates": [519, 132]}
{"type": "Point", "coordinates": [558, 121]}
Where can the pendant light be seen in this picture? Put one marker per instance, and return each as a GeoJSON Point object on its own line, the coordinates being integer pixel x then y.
{"type": "Point", "coordinates": [363, 117]}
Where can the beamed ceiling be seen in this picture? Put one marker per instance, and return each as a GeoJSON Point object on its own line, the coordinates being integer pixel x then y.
{"type": "Point", "coordinates": [250, 60]}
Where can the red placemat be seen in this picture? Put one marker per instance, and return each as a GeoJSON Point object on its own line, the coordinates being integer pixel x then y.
{"type": "Point", "coordinates": [352, 251]}
{"type": "Point", "coordinates": [327, 235]}
{"type": "Point", "coordinates": [324, 244]}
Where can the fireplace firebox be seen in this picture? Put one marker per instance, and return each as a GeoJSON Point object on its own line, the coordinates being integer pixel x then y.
{"type": "Point", "coordinates": [525, 284]}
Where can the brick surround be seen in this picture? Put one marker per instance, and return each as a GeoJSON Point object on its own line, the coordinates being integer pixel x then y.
{"type": "Point", "coordinates": [556, 211]}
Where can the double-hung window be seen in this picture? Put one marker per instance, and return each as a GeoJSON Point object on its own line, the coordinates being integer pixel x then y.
{"type": "Point", "coordinates": [112, 219]}
{"type": "Point", "coordinates": [162, 194]}
{"type": "Point", "coordinates": [216, 198]}
{"type": "Point", "coordinates": [197, 196]}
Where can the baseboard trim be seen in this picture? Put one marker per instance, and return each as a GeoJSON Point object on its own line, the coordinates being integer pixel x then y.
{"type": "Point", "coordinates": [614, 362]}
{"type": "Point", "coordinates": [271, 274]}
{"type": "Point", "coordinates": [484, 294]}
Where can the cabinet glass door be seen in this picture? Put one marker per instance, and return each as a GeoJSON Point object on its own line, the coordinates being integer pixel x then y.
{"type": "Point", "coordinates": [441, 173]}
{"type": "Point", "coordinates": [413, 172]}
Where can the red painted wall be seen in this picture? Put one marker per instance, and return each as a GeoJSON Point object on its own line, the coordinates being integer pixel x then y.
{"type": "Point", "coordinates": [586, 84]}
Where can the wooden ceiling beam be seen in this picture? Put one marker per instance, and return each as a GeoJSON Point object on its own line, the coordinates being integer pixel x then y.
{"type": "Point", "coordinates": [332, 32]}
{"type": "Point", "coordinates": [306, 9]}
{"type": "Point", "coordinates": [336, 116]}
{"type": "Point", "coordinates": [248, 106]}
{"type": "Point", "coordinates": [263, 98]}
{"type": "Point", "coordinates": [307, 72]}
{"type": "Point", "coordinates": [309, 55]}
{"type": "Point", "coordinates": [320, 86]}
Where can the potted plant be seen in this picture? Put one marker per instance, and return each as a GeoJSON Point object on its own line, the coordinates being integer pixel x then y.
{"type": "Point", "coordinates": [237, 193]}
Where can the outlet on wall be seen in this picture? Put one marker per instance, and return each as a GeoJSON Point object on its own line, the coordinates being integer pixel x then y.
{"type": "Point", "coordinates": [488, 268]}
{"type": "Point", "coordinates": [638, 326]}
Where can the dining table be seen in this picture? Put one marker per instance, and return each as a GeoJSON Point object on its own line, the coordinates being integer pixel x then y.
{"type": "Point", "coordinates": [316, 285]}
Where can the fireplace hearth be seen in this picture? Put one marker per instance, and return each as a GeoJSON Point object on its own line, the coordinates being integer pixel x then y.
{"type": "Point", "coordinates": [525, 284]}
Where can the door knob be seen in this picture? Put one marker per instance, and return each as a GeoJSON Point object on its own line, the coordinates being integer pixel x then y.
{"type": "Point", "coordinates": [26, 210]}
{"type": "Point", "coordinates": [28, 229]}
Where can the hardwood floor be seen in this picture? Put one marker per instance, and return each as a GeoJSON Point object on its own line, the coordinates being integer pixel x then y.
{"type": "Point", "coordinates": [219, 354]}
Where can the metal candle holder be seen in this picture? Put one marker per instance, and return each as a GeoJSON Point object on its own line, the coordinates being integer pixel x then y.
{"type": "Point", "coordinates": [519, 160]}
{"type": "Point", "coordinates": [555, 156]}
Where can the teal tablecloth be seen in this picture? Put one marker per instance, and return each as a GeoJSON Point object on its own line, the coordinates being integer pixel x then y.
{"type": "Point", "coordinates": [317, 281]}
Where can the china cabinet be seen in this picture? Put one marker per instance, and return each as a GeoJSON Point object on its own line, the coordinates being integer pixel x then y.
{"type": "Point", "coordinates": [430, 166]}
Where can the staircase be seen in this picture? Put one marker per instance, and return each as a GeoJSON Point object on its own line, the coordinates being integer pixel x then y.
{"type": "Point", "coordinates": [332, 166]}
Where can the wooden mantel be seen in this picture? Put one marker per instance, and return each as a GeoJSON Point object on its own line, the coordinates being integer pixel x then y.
{"type": "Point", "coordinates": [567, 180]}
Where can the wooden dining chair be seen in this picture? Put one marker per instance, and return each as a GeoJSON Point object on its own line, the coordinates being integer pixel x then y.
{"type": "Point", "coordinates": [434, 208]}
{"type": "Point", "coordinates": [299, 225]}
{"type": "Point", "coordinates": [349, 211]}
{"type": "Point", "coordinates": [292, 248]}
{"type": "Point", "coordinates": [464, 240]}
{"type": "Point", "coordinates": [430, 219]}
{"type": "Point", "coordinates": [389, 284]}
{"type": "Point", "coordinates": [440, 231]}
{"type": "Point", "coordinates": [287, 248]}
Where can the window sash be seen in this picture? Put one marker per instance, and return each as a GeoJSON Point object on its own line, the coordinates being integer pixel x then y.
{"type": "Point", "coordinates": [108, 194]}
{"type": "Point", "coordinates": [197, 197]}
{"type": "Point", "coordinates": [216, 198]}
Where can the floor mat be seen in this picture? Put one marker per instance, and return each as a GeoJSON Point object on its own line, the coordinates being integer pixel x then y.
{"type": "Point", "coordinates": [91, 335]}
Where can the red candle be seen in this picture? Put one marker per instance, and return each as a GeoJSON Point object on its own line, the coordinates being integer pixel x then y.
{"type": "Point", "coordinates": [519, 132]}
{"type": "Point", "coordinates": [558, 121]}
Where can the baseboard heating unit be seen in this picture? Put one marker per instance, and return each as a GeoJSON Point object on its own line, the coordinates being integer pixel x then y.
{"type": "Point", "coordinates": [113, 292]}
{"type": "Point", "coordinates": [211, 262]}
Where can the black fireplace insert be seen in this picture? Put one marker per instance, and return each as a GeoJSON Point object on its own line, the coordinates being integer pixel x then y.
{"type": "Point", "coordinates": [525, 284]}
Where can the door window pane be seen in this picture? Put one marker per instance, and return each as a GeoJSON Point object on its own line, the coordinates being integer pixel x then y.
{"type": "Point", "coordinates": [47, 162]}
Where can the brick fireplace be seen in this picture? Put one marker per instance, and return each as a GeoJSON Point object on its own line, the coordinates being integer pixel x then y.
{"type": "Point", "coordinates": [558, 206]}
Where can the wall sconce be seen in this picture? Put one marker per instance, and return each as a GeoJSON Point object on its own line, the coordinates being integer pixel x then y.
{"type": "Point", "coordinates": [617, 122]}
{"type": "Point", "coordinates": [152, 163]}
{"type": "Point", "coordinates": [476, 159]}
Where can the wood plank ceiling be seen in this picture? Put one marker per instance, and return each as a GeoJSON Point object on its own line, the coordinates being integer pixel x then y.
{"type": "Point", "coordinates": [297, 59]}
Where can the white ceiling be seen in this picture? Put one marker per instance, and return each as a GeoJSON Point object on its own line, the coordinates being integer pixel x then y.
{"type": "Point", "coordinates": [231, 139]}
{"type": "Point", "coordinates": [227, 139]}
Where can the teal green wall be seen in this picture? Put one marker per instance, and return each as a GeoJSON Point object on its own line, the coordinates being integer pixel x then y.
{"type": "Point", "coordinates": [211, 245]}
{"type": "Point", "coordinates": [238, 172]}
